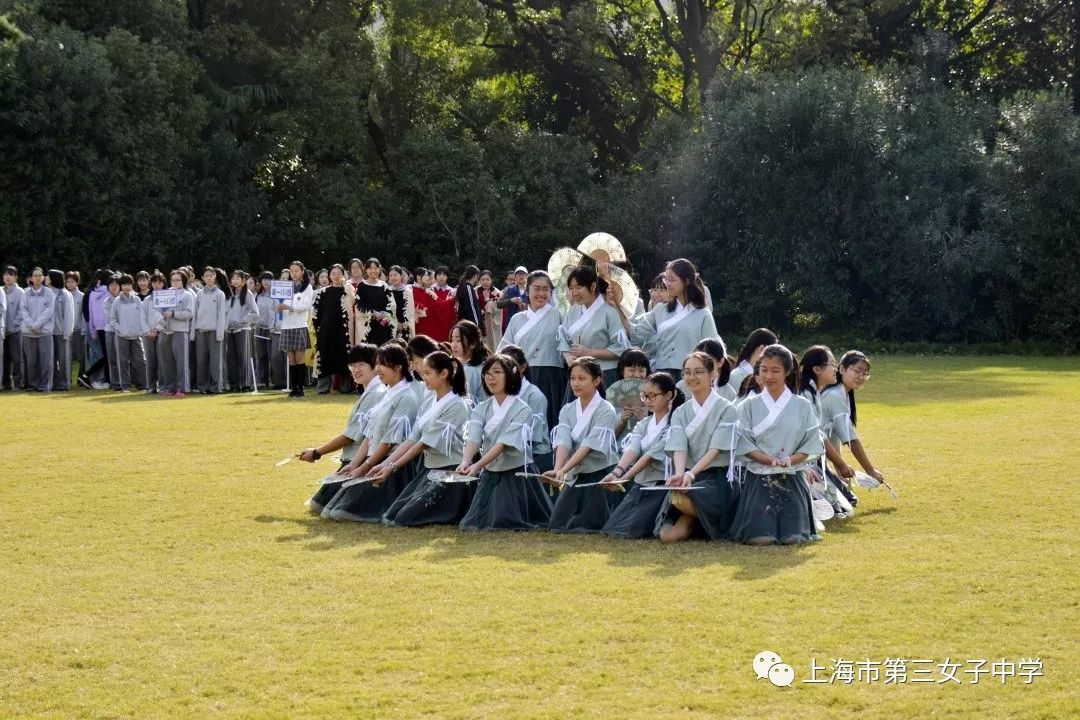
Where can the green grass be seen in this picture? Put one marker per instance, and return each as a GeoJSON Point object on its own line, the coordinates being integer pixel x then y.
{"type": "Point", "coordinates": [154, 564]}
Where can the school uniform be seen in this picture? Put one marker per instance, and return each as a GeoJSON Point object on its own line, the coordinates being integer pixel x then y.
{"type": "Point", "coordinates": [775, 502]}
{"type": "Point", "coordinates": [63, 327]}
{"type": "Point", "coordinates": [474, 383]}
{"type": "Point", "coordinates": [668, 337]}
{"type": "Point", "coordinates": [239, 320]}
{"type": "Point", "coordinates": [173, 343]}
{"type": "Point", "coordinates": [294, 331]}
{"type": "Point", "coordinates": [129, 329]}
{"type": "Point", "coordinates": [264, 337]}
{"type": "Point", "coordinates": [355, 430]}
{"type": "Point", "coordinates": [638, 515]}
{"type": "Point", "coordinates": [38, 311]}
{"type": "Point", "coordinates": [391, 422]}
{"type": "Point", "coordinates": [440, 428]}
{"type": "Point", "coordinates": [209, 324]}
{"type": "Point", "coordinates": [536, 333]}
{"type": "Point", "coordinates": [697, 429]}
{"type": "Point", "coordinates": [586, 510]}
{"type": "Point", "coordinates": [151, 343]}
{"type": "Point", "coordinates": [3, 325]}
{"type": "Point", "coordinates": [597, 326]}
{"type": "Point", "coordinates": [421, 391]}
{"type": "Point", "coordinates": [835, 412]}
{"type": "Point", "coordinates": [14, 297]}
{"type": "Point", "coordinates": [110, 343]}
{"type": "Point", "coordinates": [78, 332]}
{"type": "Point", "coordinates": [503, 501]}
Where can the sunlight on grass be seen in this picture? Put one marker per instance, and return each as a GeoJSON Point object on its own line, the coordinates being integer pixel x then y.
{"type": "Point", "coordinates": [155, 564]}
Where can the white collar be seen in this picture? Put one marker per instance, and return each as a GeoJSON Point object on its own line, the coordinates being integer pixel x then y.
{"type": "Point", "coordinates": [653, 429]}
{"type": "Point", "coordinates": [435, 408]}
{"type": "Point", "coordinates": [701, 411]}
{"type": "Point", "coordinates": [584, 415]}
{"type": "Point", "coordinates": [498, 412]}
{"type": "Point", "coordinates": [774, 408]}
{"type": "Point", "coordinates": [586, 315]}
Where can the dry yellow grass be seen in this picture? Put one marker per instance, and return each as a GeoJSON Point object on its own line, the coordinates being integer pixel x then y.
{"type": "Point", "coordinates": [155, 565]}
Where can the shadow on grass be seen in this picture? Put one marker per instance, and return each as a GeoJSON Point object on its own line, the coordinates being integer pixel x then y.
{"type": "Point", "coordinates": [446, 545]}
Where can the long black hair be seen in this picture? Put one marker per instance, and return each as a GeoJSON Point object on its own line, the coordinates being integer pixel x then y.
{"type": "Point", "coordinates": [852, 357]}
{"type": "Point", "coordinates": [420, 346]}
{"type": "Point", "coordinates": [472, 341]}
{"type": "Point", "coordinates": [716, 350]}
{"type": "Point", "coordinates": [470, 274]}
{"type": "Point", "coordinates": [761, 336]}
{"type": "Point", "coordinates": [242, 295]}
{"type": "Point", "coordinates": [667, 384]}
{"type": "Point", "coordinates": [444, 362]}
{"type": "Point", "coordinates": [695, 289]}
{"type": "Point", "coordinates": [305, 281]}
{"type": "Point", "coordinates": [812, 357]}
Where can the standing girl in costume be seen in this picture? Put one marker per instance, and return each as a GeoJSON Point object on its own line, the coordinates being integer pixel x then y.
{"type": "Point", "coordinates": [701, 444]}
{"type": "Point", "coordinates": [749, 355]}
{"type": "Point", "coordinates": [644, 461]}
{"type": "Point", "coordinates": [487, 296]}
{"type": "Point", "coordinates": [593, 327]}
{"type": "Point", "coordinates": [361, 363]}
{"type": "Point", "coordinates": [294, 326]}
{"type": "Point", "coordinates": [78, 335]}
{"type": "Point", "coordinates": [541, 442]}
{"type": "Point", "coordinates": [209, 326]}
{"type": "Point", "coordinates": [437, 440]}
{"type": "Point", "coordinates": [778, 438]}
{"type": "Point", "coordinates": [585, 451]}
{"type": "Point", "coordinates": [239, 323]}
{"type": "Point", "coordinates": [535, 331]}
{"type": "Point", "coordinates": [838, 414]}
{"type": "Point", "coordinates": [468, 347]}
{"type": "Point", "coordinates": [668, 333]}
{"type": "Point", "coordinates": [174, 338]}
{"type": "Point", "coordinates": [374, 310]}
{"type": "Point", "coordinates": [404, 309]}
{"type": "Point", "coordinates": [500, 432]}
{"type": "Point", "coordinates": [390, 424]}
{"type": "Point", "coordinates": [155, 322]}
{"type": "Point", "coordinates": [330, 316]}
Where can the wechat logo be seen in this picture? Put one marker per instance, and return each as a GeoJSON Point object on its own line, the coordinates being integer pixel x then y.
{"type": "Point", "coordinates": [768, 664]}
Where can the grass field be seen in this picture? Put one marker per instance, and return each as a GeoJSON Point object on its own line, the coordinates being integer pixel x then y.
{"type": "Point", "coordinates": [155, 564]}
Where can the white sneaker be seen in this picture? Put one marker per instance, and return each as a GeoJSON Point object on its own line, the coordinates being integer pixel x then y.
{"type": "Point", "coordinates": [99, 385]}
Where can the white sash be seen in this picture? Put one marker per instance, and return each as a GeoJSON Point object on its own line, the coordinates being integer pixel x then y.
{"type": "Point", "coordinates": [653, 430]}
{"type": "Point", "coordinates": [531, 319]}
{"type": "Point", "coordinates": [434, 409]}
{"type": "Point", "coordinates": [585, 317]}
{"type": "Point", "coordinates": [701, 412]}
{"type": "Point", "coordinates": [775, 407]}
{"type": "Point", "coordinates": [678, 316]}
{"type": "Point", "coordinates": [498, 412]}
{"type": "Point", "coordinates": [393, 392]}
{"type": "Point", "coordinates": [584, 416]}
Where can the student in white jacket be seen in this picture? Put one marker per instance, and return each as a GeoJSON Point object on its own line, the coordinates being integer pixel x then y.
{"type": "Point", "coordinates": [294, 326]}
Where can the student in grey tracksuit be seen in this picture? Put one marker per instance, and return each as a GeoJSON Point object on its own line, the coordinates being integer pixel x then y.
{"type": "Point", "coordinates": [13, 295]}
{"type": "Point", "coordinates": [63, 327]}
{"type": "Point", "coordinates": [3, 324]}
{"type": "Point", "coordinates": [154, 322]}
{"type": "Point", "coordinates": [211, 317]}
{"type": "Point", "coordinates": [264, 327]}
{"type": "Point", "coordinates": [110, 333]}
{"type": "Point", "coordinates": [78, 333]}
{"type": "Point", "coordinates": [242, 314]}
{"type": "Point", "coordinates": [174, 338]}
{"type": "Point", "coordinates": [129, 325]}
{"type": "Point", "coordinates": [39, 305]}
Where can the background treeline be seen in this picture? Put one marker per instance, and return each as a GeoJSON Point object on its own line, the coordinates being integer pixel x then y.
{"type": "Point", "coordinates": [906, 169]}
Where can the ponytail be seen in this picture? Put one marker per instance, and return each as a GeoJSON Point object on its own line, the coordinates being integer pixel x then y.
{"type": "Point", "coordinates": [440, 361]}
{"type": "Point", "coordinates": [667, 384]}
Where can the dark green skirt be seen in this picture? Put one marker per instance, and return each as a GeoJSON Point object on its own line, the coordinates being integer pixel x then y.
{"type": "Point", "coordinates": [427, 502]}
{"type": "Point", "coordinates": [324, 494]}
{"type": "Point", "coordinates": [715, 504]}
{"type": "Point", "coordinates": [776, 507]}
{"type": "Point", "coordinates": [636, 515]}
{"type": "Point", "coordinates": [503, 501]}
{"type": "Point", "coordinates": [584, 510]}
{"type": "Point", "coordinates": [367, 502]}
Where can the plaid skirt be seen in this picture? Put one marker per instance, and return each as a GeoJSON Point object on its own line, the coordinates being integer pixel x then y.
{"type": "Point", "coordinates": [294, 339]}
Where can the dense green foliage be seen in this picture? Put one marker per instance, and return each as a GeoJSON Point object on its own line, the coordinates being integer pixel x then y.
{"type": "Point", "coordinates": [908, 169]}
